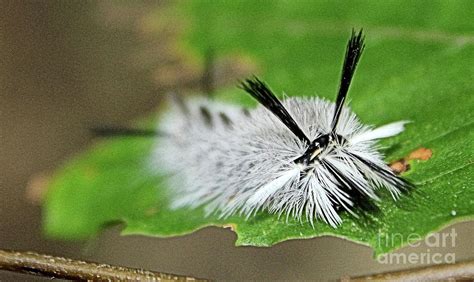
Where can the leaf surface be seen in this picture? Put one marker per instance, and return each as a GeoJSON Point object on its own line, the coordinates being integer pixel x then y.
{"type": "Point", "coordinates": [417, 66]}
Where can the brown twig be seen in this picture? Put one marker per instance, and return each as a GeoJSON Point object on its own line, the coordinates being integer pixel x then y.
{"type": "Point", "coordinates": [58, 267]}
{"type": "Point", "coordinates": [439, 272]}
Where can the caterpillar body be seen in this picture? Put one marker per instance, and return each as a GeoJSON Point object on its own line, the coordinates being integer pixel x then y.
{"type": "Point", "coordinates": [307, 158]}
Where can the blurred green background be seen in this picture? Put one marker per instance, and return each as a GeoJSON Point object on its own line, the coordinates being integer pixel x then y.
{"type": "Point", "coordinates": [68, 65]}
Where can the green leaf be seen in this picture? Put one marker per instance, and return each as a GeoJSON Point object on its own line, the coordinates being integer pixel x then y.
{"type": "Point", "coordinates": [417, 66]}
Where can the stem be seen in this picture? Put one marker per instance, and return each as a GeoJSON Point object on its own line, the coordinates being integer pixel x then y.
{"type": "Point", "coordinates": [438, 272]}
{"type": "Point", "coordinates": [58, 267]}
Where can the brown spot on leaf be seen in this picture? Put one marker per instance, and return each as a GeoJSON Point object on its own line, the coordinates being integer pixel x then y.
{"type": "Point", "coordinates": [421, 154]}
{"type": "Point", "coordinates": [402, 165]}
{"type": "Point", "coordinates": [399, 166]}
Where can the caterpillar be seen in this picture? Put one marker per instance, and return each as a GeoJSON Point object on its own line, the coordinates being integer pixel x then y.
{"type": "Point", "coordinates": [307, 158]}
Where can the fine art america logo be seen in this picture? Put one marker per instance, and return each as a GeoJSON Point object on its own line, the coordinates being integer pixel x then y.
{"type": "Point", "coordinates": [438, 249]}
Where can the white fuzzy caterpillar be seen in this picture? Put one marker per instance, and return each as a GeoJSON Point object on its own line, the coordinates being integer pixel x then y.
{"type": "Point", "coordinates": [303, 157]}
